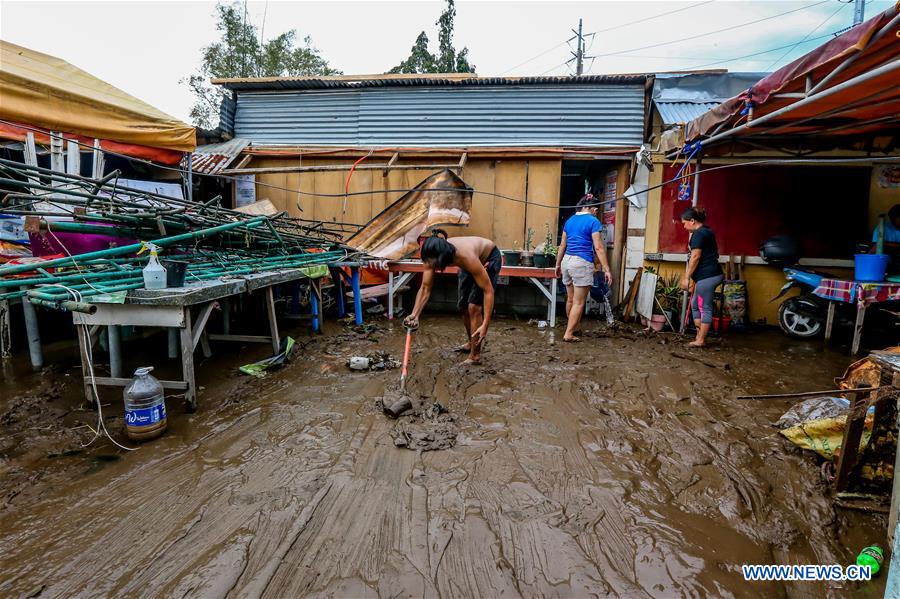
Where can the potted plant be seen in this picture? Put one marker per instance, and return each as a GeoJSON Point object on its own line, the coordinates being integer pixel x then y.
{"type": "Point", "coordinates": [527, 256]}
{"type": "Point", "coordinates": [545, 256]}
{"type": "Point", "coordinates": [511, 257]}
{"type": "Point", "coordinates": [668, 294]}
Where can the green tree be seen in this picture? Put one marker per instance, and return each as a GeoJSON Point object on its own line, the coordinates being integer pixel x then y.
{"type": "Point", "coordinates": [447, 60]}
{"type": "Point", "coordinates": [240, 52]}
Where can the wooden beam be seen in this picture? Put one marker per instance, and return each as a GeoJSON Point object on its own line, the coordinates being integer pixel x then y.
{"type": "Point", "coordinates": [337, 168]}
{"type": "Point", "coordinates": [462, 163]}
{"type": "Point", "coordinates": [122, 382]}
{"type": "Point", "coordinates": [384, 171]}
{"type": "Point", "coordinates": [853, 429]}
{"type": "Point", "coordinates": [244, 162]}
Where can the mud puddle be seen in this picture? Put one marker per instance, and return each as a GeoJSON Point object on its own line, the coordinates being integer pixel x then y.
{"type": "Point", "coordinates": [606, 467]}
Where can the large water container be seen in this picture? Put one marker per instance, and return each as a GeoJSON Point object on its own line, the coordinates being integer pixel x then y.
{"type": "Point", "coordinates": [145, 406]}
{"type": "Point", "coordinates": [871, 267]}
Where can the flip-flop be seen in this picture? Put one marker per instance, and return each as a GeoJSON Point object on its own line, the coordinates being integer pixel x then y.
{"type": "Point", "coordinates": [572, 340]}
{"type": "Point", "coordinates": [462, 349]}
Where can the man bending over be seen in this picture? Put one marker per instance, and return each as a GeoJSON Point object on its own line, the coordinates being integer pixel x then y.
{"type": "Point", "coordinates": [479, 263]}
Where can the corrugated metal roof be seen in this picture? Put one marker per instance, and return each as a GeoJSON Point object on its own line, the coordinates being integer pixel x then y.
{"type": "Point", "coordinates": [212, 158]}
{"type": "Point", "coordinates": [678, 113]}
{"type": "Point", "coordinates": [591, 115]}
{"type": "Point", "coordinates": [437, 80]}
{"type": "Point", "coordinates": [226, 114]}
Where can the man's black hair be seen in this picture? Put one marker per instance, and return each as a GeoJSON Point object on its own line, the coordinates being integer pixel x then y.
{"type": "Point", "coordinates": [894, 212]}
{"type": "Point", "coordinates": [438, 249]}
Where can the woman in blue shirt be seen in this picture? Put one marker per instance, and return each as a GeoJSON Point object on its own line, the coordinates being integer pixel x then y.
{"type": "Point", "coordinates": [580, 249]}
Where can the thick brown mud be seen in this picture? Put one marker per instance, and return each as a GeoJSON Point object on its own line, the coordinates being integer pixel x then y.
{"type": "Point", "coordinates": [609, 467]}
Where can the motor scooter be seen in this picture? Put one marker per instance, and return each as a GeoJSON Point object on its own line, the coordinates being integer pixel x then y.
{"type": "Point", "coordinates": [801, 316]}
{"type": "Point", "coordinates": [804, 316]}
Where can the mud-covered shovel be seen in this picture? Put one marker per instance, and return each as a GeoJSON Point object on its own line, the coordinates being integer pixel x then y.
{"type": "Point", "coordinates": [402, 403]}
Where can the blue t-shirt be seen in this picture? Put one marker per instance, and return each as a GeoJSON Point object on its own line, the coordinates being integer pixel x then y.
{"type": "Point", "coordinates": [579, 229]}
{"type": "Point", "coordinates": [891, 233]}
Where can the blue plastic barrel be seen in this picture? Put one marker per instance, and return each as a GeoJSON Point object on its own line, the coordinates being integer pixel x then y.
{"type": "Point", "coordinates": [871, 267]}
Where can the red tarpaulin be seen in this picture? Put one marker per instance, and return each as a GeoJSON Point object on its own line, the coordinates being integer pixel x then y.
{"type": "Point", "coordinates": [41, 136]}
{"type": "Point", "coordinates": [847, 86]}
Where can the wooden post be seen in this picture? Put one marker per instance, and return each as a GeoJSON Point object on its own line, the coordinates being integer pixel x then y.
{"type": "Point", "coordinates": [5, 330]}
{"type": "Point", "coordinates": [187, 361]}
{"type": "Point", "coordinates": [858, 327]}
{"type": "Point", "coordinates": [553, 284]}
{"type": "Point", "coordinates": [856, 420]}
{"type": "Point", "coordinates": [83, 337]}
{"type": "Point", "coordinates": [633, 291]}
{"type": "Point", "coordinates": [273, 324]}
{"type": "Point", "coordinates": [173, 343]}
{"type": "Point", "coordinates": [895, 492]}
{"type": "Point", "coordinates": [829, 322]}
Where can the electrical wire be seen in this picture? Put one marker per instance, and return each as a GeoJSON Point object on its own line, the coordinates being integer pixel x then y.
{"type": "Point", "coordinates": [730, 28]}
{"type": "Point", "coordinates": [890, 159]}
{"type": "Point", "coordinates": [621, 26]}
{"type": "Point", "coordinates": [85, 339]}
{"type": "Point", "coordinates": [724, 60]}
{"type": "Point", "coordinates": [841, 7]}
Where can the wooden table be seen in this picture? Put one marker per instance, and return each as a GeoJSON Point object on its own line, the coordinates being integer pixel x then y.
{"type": "Point", "coordinates": [862, 294]}
{"type": "Point", "coordinates": [173, 308]}
{"type": "Point", "coordinates": [537, 276]}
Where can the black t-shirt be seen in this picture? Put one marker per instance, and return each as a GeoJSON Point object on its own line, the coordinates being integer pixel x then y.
{"type": "Point", "coordinates": [704, 240]}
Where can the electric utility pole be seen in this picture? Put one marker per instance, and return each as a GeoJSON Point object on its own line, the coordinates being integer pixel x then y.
{"type": "Point", "coordinates": [578, 56]}
{"type": "Point", "coordinates": [859, 11]}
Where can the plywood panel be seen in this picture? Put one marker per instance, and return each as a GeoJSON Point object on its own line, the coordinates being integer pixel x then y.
{"type": "Point", "coordinates": [543, 190]}
{"type": "Point", "coordinates": [359, 207]}
{"type": "Point", "coordinates": [479, 174]}
{"type": "Point", "coordinates": [275, 193]}
{"type": "Point", "coordinates": [509, 216]}
{"type": "Point", "coordinates": [330, 208]}
{"type": "Point", "coordinates": [306, 182]}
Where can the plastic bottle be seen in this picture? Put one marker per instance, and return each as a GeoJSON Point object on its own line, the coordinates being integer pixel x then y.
{"type": "Point", "coordinates": [154, 272]}
{"type": "Point", "coordinates": [145, 406]}
{"type": "Point", "coordinates": [872, 556]}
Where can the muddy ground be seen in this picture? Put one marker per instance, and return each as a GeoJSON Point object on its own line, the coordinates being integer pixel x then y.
{"type": "Point", "coordinates": [609, 467]}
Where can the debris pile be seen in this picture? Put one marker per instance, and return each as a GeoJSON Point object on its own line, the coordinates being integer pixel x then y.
{"type": "Point", "coordinates": [212, 241]}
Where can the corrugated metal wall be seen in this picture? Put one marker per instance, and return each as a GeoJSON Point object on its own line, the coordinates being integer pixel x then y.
{"type": "Point", "coordinates": [570, 115]}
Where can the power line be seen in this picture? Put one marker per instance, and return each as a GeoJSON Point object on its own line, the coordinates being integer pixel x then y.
{"type": "Point", "coordinates": [709, 64]}
{"type": "Point", "coordinates": [536, 56]}
{"type": "Point", "coordinates": [730, 28]}
{"type": "Point", "coordinates": [805, 37]}
{"type": "Point", "coordinates": [651, 17]}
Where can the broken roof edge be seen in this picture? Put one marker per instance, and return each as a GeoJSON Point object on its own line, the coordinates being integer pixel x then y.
{"type": "Point", "coordinates": [417, 80]}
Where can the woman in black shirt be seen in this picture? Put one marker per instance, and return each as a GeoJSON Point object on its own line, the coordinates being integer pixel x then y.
{"type": "Point", "coordinates": [703, 273]}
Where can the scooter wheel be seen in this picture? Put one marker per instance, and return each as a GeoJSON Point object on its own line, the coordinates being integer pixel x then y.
{"type": "Point", "coordinates": [797, 324]}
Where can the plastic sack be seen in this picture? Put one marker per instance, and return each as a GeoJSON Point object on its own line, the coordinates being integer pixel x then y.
{"type": "Point", "coordinates": [824, 436]}
{"type": "Point", "coordinates": [816, 408]}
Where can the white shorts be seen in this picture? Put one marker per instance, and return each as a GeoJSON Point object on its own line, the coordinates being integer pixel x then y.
{"type": "Point", "coordinates": [576, 271]}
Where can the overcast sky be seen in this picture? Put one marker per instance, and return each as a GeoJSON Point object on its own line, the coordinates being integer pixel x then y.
{"type": "Point", "coordinates": [146, 48]}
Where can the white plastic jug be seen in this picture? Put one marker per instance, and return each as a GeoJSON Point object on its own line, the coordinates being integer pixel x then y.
{"type": "Point", "coordinates": [154, 272]}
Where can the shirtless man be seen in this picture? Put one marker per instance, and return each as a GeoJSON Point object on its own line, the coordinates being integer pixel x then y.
{"type": "Point", "coordinates": [479, 263]}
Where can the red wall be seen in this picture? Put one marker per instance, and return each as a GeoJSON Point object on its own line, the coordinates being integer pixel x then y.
{"type": "Point", "coordinates": [826, 207]}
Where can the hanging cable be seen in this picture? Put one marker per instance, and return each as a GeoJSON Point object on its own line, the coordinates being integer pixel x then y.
{"type": "Point", "coordinates": [885, 159]}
